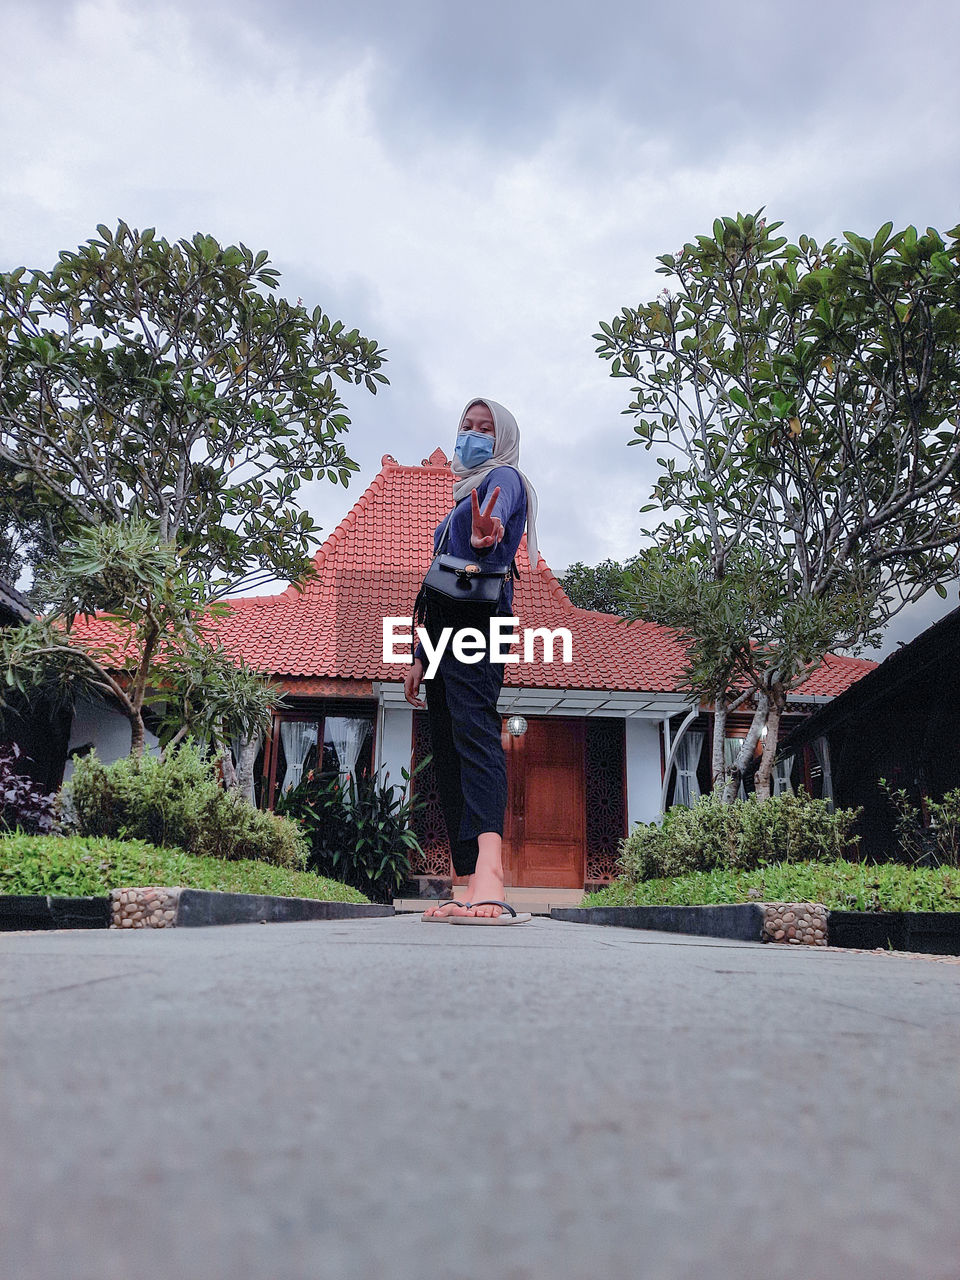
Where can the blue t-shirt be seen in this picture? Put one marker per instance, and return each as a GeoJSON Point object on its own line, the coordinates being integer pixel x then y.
{"type": "Point", "coordinates": [511, 507]}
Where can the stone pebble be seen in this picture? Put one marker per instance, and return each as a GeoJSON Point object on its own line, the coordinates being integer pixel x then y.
{"type": "Point", "coordinates": [147, 908]}
{"type": "Point", "coordinates": [795, 923]}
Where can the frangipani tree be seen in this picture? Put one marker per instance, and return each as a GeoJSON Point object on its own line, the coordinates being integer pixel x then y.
{"type": "Point", "coordinates": [807, 399]}
{"type": "Point", "coordinates": [752, 635]}
{"type": "Point", "coordinates": [170, 403]}
{"type": "Point", "coordinates": [141, 378]}
{"type": "Point", "coordinates": [163, 649]}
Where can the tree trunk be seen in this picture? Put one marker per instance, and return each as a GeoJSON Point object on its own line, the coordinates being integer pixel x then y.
{"type": "Point", "coordinates": [227, 770]}
{"type": "Point", "coordinates": [137, 732]}
{"type": "Point", "coordinates": [747, 750]}
{"type": "Point", "coordinates": [248, 758]}
{"type": "Point", "coordinates": [719, 765]}
{"type": "Point", "coordinates": [762, 777]}
{"type": "Point", "coordinates": [177, 737]}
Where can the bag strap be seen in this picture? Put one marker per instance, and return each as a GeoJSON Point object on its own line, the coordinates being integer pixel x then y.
{"type": "Point", "coordinates": [443, 536]}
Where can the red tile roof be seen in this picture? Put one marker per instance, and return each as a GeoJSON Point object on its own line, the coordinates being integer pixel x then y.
{"type": "Point", "coordinates": [371, 566]}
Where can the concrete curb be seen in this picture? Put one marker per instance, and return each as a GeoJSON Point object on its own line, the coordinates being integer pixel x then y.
{"type": "Point", "coordinates": [742, 921]}
{"type": "Point", "coordinates": [931, 932]}
{"type": "Point", "coordinates": [796, 923]}
{"type": "Point", "coordinates": [163, 907]}
{"type": "Point", "coordinates": [37, 911]}
{"type": "Point", "coordinates": [799, 923]}
{"type": "Point", "coordinates": [157, 907]}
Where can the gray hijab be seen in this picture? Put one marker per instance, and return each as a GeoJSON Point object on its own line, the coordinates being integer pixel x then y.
{"type": "Point", "coordinates": [506, 453]}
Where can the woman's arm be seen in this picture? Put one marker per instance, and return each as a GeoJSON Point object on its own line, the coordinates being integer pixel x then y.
{"type": "Point", "coordinates": [505, 488]}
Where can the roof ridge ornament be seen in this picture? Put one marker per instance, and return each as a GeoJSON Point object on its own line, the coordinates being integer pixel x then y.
{"type": "Point", "coordinates": [437, 459]}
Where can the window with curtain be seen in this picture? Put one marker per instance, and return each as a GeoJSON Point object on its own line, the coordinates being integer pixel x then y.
{"type": "Point", "coordinates": [297, 736]}
{"type": "Point", "coordinates": [781, 776]}
{"type": "Point", "coordinates": [687, 789]}
{"type": "Point", "coordinates": [821, 750]}
{"type": "Point", "coordinates": [336, 745]}
{"type": "Point", "coordinates": [346, 735]}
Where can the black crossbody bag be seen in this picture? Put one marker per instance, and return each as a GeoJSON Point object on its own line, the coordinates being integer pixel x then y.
{"type": "Point", "coordinates": [452, 580]}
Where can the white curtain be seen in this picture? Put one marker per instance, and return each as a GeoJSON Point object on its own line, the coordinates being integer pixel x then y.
{"type": "Point", "coordinates": [298, 736]}
{"type": "Point", "coordinates": [821, 750]}
{"type": "Point", "coordinates": [347, 733]}
{"type": "Point", "coordinates": [687, 790]}
{"type": "Point", "coordinates": [781, 776]}
{"type": "Point", "coordinates": [236, 746]}
{"type": "Point", "coordinates": [731, 749]}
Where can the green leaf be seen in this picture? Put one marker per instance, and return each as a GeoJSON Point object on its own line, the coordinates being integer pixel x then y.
{"type": "Point", "coordinates": [858, 242]}
{"type": "Point", "coordinates": [881, 238]}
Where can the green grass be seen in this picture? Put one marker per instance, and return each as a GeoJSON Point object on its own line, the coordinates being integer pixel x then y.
{"type": "Point", "coordinates": [840, 886]}
{"type": "Point", "coordinates": [88, 866]}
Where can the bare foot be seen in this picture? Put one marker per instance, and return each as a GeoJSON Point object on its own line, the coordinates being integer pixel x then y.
{"type": "Point", "coordinates": [445, 909]}
{"type": "Point", "coordinates": [486, 882]}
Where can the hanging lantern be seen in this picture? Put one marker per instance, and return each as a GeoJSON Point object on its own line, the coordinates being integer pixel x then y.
{"type": "Point", "coordinates": [516, 726]}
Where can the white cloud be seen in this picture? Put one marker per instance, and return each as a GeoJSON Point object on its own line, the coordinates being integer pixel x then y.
{"type": "Point", "coordinates": [484, 270]}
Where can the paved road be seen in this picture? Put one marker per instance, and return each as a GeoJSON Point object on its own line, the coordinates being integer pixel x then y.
{"type": "Point", "coordinates": [388, 1099]}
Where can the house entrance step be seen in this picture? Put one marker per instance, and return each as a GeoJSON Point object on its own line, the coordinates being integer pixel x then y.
{"type": "Point", "coordinates": [538, 901]}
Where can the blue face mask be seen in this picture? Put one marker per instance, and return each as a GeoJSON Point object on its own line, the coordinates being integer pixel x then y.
{"type": "Point", "coordinates": [473, 448]}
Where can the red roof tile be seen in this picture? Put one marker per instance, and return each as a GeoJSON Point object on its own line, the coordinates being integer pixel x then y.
{"type": "Point", "coordinates": [371, 566]}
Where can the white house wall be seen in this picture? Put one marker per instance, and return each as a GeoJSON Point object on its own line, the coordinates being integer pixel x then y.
{"type": "Point", "coordinates": [94, 721]}
{"type": "Point", "coordinates": [395, 742]}
{"type": "Point", "coordinates": [642, 750]}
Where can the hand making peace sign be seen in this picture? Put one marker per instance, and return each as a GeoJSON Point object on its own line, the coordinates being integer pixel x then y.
{"type": "Point", "coordinates": [487, 530]}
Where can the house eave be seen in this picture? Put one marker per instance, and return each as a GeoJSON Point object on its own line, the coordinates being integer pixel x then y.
{"type": "Point", "coordinates": [517, 700]}
{"type": "Point", "coordinates": [14, 607]}
{"type": "Point", "coordinates": [325, 686]}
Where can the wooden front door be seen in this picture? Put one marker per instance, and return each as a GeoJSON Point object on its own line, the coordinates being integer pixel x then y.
{"type": "Point", "coordinates": [544, 832]}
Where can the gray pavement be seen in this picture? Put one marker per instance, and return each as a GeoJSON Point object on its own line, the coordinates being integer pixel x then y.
{"type": "Point", "coordinates": [385, 1098]}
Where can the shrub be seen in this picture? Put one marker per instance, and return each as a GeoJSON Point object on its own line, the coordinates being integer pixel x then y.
{"type": "Point", "coordinates": [359, 834]}
{"type": "Point", "coordinates": [176, 800]}
{"type": "Point", "coordinates": [740, 836]}
{"type": "Point", "coordinates": [23, 804]}
{"type": "Point", "coordinates": [937, 844]}
{"type": "Point", "coordinates": [792, 828]}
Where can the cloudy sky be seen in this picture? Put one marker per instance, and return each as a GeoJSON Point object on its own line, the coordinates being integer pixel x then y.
{"type": "Point", "coordinates": [478, 185]}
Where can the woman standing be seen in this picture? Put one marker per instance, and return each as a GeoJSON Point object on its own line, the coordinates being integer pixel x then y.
{"type": "Point", "coordinates": [494, 500]}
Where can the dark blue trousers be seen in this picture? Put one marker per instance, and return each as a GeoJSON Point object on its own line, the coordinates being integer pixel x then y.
{"type": "Point", "coordinates": [468, 759]}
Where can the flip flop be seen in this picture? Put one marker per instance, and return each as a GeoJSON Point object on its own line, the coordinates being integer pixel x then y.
{"type": "Point", "coordinates": [443, 919]}
{"type": "Point", "coordinates": [502, 918]}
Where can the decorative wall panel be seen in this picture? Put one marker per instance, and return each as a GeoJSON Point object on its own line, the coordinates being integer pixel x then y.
{"type": "Point", "coordinates": [427, 823]}
{"type": "Point", "coordinates": [606, 803]}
